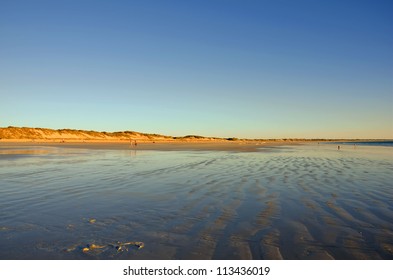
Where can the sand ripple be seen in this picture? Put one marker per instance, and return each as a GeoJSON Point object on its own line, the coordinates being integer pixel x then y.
{"type": "Point", "coordinates": [300, 202]}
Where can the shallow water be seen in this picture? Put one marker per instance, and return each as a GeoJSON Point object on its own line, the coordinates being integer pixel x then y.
{"type": "Point", "coordinates": [386, 143]}
{"type": "Point", "coordinates": [293, 202]}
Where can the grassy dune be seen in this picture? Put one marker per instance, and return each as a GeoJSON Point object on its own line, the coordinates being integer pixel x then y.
{"type": "Point", "coordinates": [19, 133]}
{"type": "Point", "coordinates": [28, 133]}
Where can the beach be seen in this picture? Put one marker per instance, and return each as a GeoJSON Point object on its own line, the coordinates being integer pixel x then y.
{"type": "Point", "coordinates": [201, 145]}
{"type": "Point", "coordinates": [202, 200]}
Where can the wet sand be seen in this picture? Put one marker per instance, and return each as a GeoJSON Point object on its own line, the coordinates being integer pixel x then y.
{"type": "Point", "coordinates": [196, 201]}
{"type": "Point", "coordinates": [245, 146]}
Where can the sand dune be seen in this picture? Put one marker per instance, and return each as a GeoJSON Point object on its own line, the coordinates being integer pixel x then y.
{"type": "Point", "coordinates": [28, 134]}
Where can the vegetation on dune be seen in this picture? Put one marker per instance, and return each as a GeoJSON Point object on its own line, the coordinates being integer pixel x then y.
{"type": "Point", "coordinates": [191, 137]}
{"type": "Point", "coordinates": [12, 132]}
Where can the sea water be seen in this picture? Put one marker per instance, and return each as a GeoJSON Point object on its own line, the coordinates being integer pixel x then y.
{"type": "Point", "coordinates": [386, 143]}
{"type": "Point", "coordinates": [291, 202]}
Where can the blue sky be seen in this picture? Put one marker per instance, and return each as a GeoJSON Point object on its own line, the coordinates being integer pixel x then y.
{"type": "Point", "coordinates": [254, 69]}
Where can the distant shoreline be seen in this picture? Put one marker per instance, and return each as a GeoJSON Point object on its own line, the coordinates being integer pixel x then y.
{"type": "Point", "coordinates": [46, 135]}
{"type": "Point", "coordinates": [238, 146]}
{"type": "Point", "coordinates": [230, 146]}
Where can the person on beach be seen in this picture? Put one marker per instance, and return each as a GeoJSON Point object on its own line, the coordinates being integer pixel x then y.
{"type": "Point", "coordinates": [133, 144]}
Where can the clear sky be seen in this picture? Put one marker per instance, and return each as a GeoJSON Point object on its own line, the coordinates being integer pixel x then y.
{"type": "Point", "coordinates": [246, 68]}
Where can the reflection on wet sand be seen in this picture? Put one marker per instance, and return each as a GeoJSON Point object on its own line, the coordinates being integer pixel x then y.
{"type": "Point", "coordinates": [299, 202]}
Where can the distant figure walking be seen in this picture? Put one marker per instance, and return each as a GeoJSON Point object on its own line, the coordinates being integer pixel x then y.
{"type": "Point", "coordinates": [133, 143]}
{"type": "Point", "coordinates": [338, 147]}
